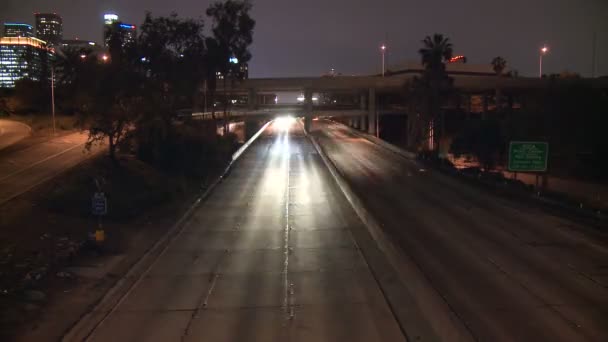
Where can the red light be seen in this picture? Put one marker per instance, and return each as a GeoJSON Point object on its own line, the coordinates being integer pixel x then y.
{"type": "Point", "coordinates": [457, 58]}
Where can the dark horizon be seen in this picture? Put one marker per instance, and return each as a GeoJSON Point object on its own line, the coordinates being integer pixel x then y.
{"type": "Point", "coordinates": [296, 39]}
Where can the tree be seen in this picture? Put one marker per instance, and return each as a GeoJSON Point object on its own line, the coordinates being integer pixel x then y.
{"type": "Point", "coordinates": [436, 51]}
{"type": "Point", "coordinates": [233, 34]}
{"type": "Point", "coordinates": [482, 139]}
{"type": "Point", "coordinates": [434, 84]}
{"type": "Point", "coordinates": [107, 94]}
{"type": "Point", "coordinates": [499, 64]}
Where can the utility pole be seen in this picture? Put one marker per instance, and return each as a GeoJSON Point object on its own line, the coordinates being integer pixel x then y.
{"type": "Point", "coordinates": [53, 97]}
{"type": "Point", "coordinates": [593, 53]}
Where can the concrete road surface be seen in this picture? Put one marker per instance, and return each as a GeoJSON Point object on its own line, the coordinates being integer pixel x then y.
{"type": "Point", "coordinates": [509, 272]}
{"type": "Point", "coordinates": [268, 257]}
{"type": "Point", "coordinates": [12, 131]}
{"type": "Point", "coordinates": [21, 170]}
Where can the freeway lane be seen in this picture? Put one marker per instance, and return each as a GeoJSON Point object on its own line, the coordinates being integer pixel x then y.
{"type": "Point", "coordinates": [269, 256]}
{"type": "Point", "coordinates": [510, 273]}
{"type": "Point", "coordinates": [21, 170]}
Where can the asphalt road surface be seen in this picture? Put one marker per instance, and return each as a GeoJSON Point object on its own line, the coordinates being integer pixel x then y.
{"type": "Point", "coordinates": [21, 170]}
{"type": "Point", "coordinates": [509, 272]}
{"type": "Point", "coordinates": [11, 132]}
{"type": "Point", "coordinates": [269, 256]}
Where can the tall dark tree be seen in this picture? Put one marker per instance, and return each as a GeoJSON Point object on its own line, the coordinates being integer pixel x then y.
{"type": "Point", "coordinates": [434, 84]}
{"type": "Point", "coordinates": [498, 65]}
{"type": "Point", "coordinates": [435, 52]}
{"type": "Point", "coordinates": [233, 34]}
{"type": "Point", "coordinates": [171, 55]}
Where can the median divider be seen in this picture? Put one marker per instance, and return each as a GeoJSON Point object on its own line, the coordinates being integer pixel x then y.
{"type": "Point", "coordinates": [85, 327]}
{"type": "Point", "coordinates": [422, 312]}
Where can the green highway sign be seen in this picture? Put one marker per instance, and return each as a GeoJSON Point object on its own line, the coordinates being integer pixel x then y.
{"type": "Point", "coordinates": [528, 156]}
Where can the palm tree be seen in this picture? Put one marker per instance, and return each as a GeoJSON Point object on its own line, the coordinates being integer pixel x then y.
{"type": "Point", "coordinates": [499, 64]}
{"type": "Point", "coordinates": [436, 51]}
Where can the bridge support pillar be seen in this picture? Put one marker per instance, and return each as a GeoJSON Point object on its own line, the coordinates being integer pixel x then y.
{"type": "Point", "coordinates": [361, 119]}
{"type": "Point", "coordinates": [372, 115]}
{"type": "Point", "coordinates": [307, 110]}
{"type": "Point", "coordinates": [252, 99]}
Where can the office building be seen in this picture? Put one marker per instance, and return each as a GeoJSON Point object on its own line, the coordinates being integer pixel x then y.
{"type": "Point", "coordinates": [49, 27]}
{"type": "Point", "coordinates": [237, 70]}
{"type": "Point", "coordinates": [110, 18]}
{"type": "Point", "coordinates": [18, 30]}
{"type": "Point", "coordinates": [127, 32]}
{"type": "Point", "coordinates": [23, 57]}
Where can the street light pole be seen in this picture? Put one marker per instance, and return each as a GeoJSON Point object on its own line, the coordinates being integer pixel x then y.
{"type": "Point", "coordinates": [383, 49]}
{"type": "Point", "coordinates": [543, 51]}
{"type": "Point", "coordinates": [53, 97]}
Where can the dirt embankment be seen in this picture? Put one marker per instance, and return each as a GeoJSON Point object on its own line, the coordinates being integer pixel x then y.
{"type": "Point", "coordinates": [46, 263]}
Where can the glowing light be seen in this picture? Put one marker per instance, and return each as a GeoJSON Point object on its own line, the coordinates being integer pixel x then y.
{"type": "Point", "coordinates": [383, 47]}
{"type": "Point", "coordinates": [110, 18]}
{"type": "Point", "coordinates": [458, 58]}
{"type": "Point", "coordinates": [91, 43]}
{"type": "Point", "coordinates": [544, 49]}
{"type": "Point", "coordinates": [105, 58]}
{"type": "Point", "coordinates": [284, 122]}
{"type": "Point", "coordinates": [300, 98]}
{"type": "Point", "coordinates": [83, 56]}
{"type": "Point", "coordinates": [233, 60]}
{"type": "Point", "coordinates": [31, 41]}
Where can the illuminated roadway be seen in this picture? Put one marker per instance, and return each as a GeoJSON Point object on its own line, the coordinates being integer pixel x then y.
{"type": "Point", "coordinates": [509, 272]}
{"type": "Point", "coordinates": [269, 256]}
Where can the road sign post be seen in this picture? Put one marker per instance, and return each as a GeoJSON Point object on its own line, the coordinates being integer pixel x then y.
{"type": "Point", "coordinates": [99, 208]}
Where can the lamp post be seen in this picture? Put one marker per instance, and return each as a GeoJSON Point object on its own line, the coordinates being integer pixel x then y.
{"type": "Point", "coordinates": [53, 96]}
{"type": "Point", "coordinates": [543, 51]}
{"type": "Point", "coordinates": [383, 51]}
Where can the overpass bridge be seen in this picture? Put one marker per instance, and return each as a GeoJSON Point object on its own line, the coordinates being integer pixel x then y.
{"type": "Point", "coordinates": [365, 115]}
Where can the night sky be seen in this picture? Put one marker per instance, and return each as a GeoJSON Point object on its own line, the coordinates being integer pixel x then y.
{"type": "Point", "coordinates": [309, 37]}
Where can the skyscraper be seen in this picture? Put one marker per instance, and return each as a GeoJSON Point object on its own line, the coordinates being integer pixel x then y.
{"type": "Point", "coordinates": [18, 30]}
{"type": "Point", "coordinates": [23, 57]}
{"type": "Point", "coordinates": [111, 23]}
{"type": "Point", "coordinates": [49, 27]}
{"type": "Point", "coordinates": [110, 18]}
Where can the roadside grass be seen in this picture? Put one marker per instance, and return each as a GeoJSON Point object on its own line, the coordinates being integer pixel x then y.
{"type": "Point", "coordinates": [42, 124]}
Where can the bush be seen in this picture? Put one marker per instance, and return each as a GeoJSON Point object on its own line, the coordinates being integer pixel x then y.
{"type": "Point", "coordinates": [190, 150]}
{"type": "Point", "coordinates": [482, 139]}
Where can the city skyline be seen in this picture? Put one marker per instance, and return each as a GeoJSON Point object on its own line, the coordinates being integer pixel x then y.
{"type": "Point", "coordinates": [289, 35]}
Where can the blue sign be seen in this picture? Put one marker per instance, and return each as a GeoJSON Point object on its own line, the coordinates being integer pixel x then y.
{"type": "Point", "coordinates": [99, 204]}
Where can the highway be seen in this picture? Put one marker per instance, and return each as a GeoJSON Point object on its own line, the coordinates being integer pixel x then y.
{"type": "Point", "coordinates": [269, 256]}
{"type": "Point", "coordinates": [507, 271]}
{"type": "Point", "coordinates": [21, 170]}
{"type": "Point", "coordinates": [12, 132]}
